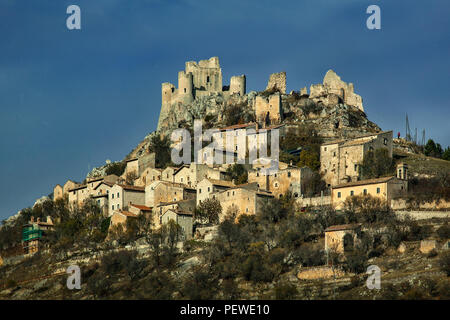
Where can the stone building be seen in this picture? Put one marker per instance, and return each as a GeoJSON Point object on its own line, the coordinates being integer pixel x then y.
{"type": "Point", "coordinates": [333, 85]}
{"type": "Point", "coordinates": [187, 206]}
{"type": "Point", "coordinates": [77, 195]}
{"type": "Point", "coordinates": [246, 199]}
{"type": "Point", "coordinates": [164, 191]}
{"type": "Point", "coordinates": [60, 191]}
{"type": "Point", "coordinates": [342, 238]}
{"type": "Point", "coordinates": [340, 159]}
{"type": "Point", "coordinates": [121, 217]}
{"type": "Point", "coordinates": [197, 80]}
{"type": "Point", "coordinates": [57, 192]}
{"type": "Point", "coordinates": [183, 219]}
{"type": "Point", "coordinates": [194, 173]}
{"type": "Point", "coordinates": [33, 232]}
{"type": "Point", "coordinates": [386, 188]}
{"type": "Point", "coordinates": [290, 178]}
{"type": "Point", "coordinates": [268, 109]}
{"type": "Point", "coordinates": [138, 165]}
{"type": "Point", "coordinates": [207, 187]}
{"type": "Point", "coordinates": [122, 195]}
{"type": "Point", "coordinates": [148, 176]}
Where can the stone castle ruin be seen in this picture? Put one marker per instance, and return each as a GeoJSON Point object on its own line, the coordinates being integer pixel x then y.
{"type": "Point", "coordinates": [201, 92]}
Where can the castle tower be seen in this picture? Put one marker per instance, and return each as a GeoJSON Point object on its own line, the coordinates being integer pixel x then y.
{"type": "Point", "coordinates": [185, 87]}
{"type": "Point", "coordinates": [237, 85]}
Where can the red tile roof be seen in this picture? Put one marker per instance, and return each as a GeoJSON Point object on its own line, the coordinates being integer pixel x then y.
{"type": "Point", "coordinates": [141, 207]}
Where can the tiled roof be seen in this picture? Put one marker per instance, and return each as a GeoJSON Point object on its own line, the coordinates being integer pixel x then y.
{"type": "Point", "coordinates": [128, 214]}
{"type": "Point", "coordinates": [237, 126]}
{"type": "Point", "coordinates": [364, 182]}
{"type": "Point", "coordinates": [78, 187]}
{"type": "Point", "coordinates": [223, 183]}
{"type": "Point", "coordinates": [355, 138]}
{"type": "Point", "coordinates": [132, 159]}
{"type": "Point", "coordinates": [131, 188]}
{"type": "Point", "coordinates": [343, 227]}
{"type": "Point", "coordinates": [141, 207]}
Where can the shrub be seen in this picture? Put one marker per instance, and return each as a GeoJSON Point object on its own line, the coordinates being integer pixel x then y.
{"type": "Point", "coordinates": [116, 168]}
{"type": "Point", "coordinates": [444, 231]}
{"type": "Point", "coordinates": [285, 291]}
{"type": "Point", "coordinates": [200, 284]}
{"type": "Point", "coordinates": [444, 262]}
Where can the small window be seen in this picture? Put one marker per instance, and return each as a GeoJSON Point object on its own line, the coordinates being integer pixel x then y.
{"type": "Point", "coordinates": [385, 141]}
{"type": "Point", "coordinates": [356, 167]}
{"type": "Point", "coordinates": [199, 190]}
{"type": "Point", "coordinates": [112, 196]}
{"type": "Point", "coordinates": [209, 189]}
{"type": "Point", "coordinates": [113, 207]}
{"type": "Point", "coordinates": [352, 193]}
{"type": "Point", "coordinates": [118, 206]}
{"type": "Point", "coordinates": [207, 79]}
{"type": "Point", "coordinates": [365, 191]}
{"type": "Point", "coordinates": [289, 174]}
{"type": "Point", "coordinates": [228, 193]}
{"type": "Point", "coordinates": [325, 149]}
{"type": "Point", "coordinates": [184, 90]}
{"type": "Point", "coordinates": [339, 194]}
{"type": "Point", "coordinates": [118, 195]}
{"type": "Point", "coordinates": [378, 190]}
{"type": "Point", "coordinates": [334, 154]}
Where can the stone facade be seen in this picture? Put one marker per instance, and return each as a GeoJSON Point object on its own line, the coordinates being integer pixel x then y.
{"type": "Point", "coordinates": [341, 237]}
{"type": "Point", "coordinates": [268, 110]}
{"type": "Point", "coordinates": [340, 160]}
{"type": "Point", "coordinates": [121, 196]}
{"type": "Point", "coordinates": [385, 188]}
{"type": "Point", "coordinates": [164, 191]}
{"type": "Point", "coordinates": [207, 187]}
{"type": "Point", "coordinates": [277, 81]}
{"type": "Point", "coordinates": [183, 219]}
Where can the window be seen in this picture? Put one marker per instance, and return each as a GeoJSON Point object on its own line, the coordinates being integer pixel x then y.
{"type": "Point", "coordinates": [334, 154]}
{"type": "Point", "coordinates": [385, 141]}
{"type": "Point", "coordinates": [209, 189]}
{"type": "Point", "coordinates": [228, 193]}
{"type": "Point", "coordinates": [289, 174]}
{"type": "Point", "coordinates": [199, 190]}
{"type": "Point", "coordinates": [118, 195]}
{"type": "Point", "coordinates": [184, 90]}
{"type": "Point", "coordinates": [207, 79]}
{"type": "Point", "coordinates": [98, 202]}
{"type": "Point", "coordinates": [233, 193]}
{"type": "Point", "coordinates": [356, 167]}
{"type": "Point", "coordinates": [325, 149]}
{"type": "Point", "coordinates": [365, 191]}
{"type": "Point", "coordinates": [352, 193]}
{"type": "Point", "coordinates": [112, 195]}
{"type": "Point", "coordinates": [113, 207]}
{"type": "Point", "coordinates": [118, 206]}
{"type": "Point", "coordinates": [378, 190]}
{"type": "Point", "coordinates": [339, 194]}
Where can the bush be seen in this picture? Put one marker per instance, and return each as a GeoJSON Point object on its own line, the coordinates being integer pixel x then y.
{"type": "Point", "coordinates": [200, 284]}
{"type": "Point", "coordinates": [444, 231]}
{"type": "Point", "coordinates": [116, 168]}
{"type": "Point", "coordinates": [356, 261]}
{"type": "Point", "coordinates": [444, 262]}
{"type": "Point", "coordinates": [285, 291]}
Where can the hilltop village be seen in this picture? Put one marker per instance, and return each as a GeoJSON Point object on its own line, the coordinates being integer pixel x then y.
{"type": "Point", "coordinates": [331, 158]}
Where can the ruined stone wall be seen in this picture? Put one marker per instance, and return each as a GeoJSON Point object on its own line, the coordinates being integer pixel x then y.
{"type": "Point", "coordinates": [268, 110]}
{"type": "Point", "coordinates": [277, 80]}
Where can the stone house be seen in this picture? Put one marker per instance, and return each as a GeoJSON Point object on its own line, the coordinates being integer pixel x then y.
{"type": "Point", "coordinates": [247, 199]}
{"type": "Point", "coordinates": [194, 173]}
{"type": "Point", "coordinates": [167, 174]}
{"type": "Point", "coordinates": [138, 209]}
{"type": "Point", "coordinates": [187, 205]}
{"type": "Point", "coordinates": [60, 191]}
{"type": "Point", "coordinates": [120, 196]}
{"type": "Point", "coordinates": [207, 187]}
{"type": "Point", "coordinates": [102, 202]}
{"type": "Point", "coordinates": [289, 178]}
{"type": "Point", "coordinates": [77, 195]}
{"type": "Point", "coordinates": [148, 176]}
{"type": "Point", "coordinates": [385, 188]}
{"type": "Point", "coordinates": [92, 184]}
{"type": "Point", "coordinates": [163, 191]}
{"type": "Point", "coordinates": [183, 219]}
{"type": "Point", "coordinates": [68, 186]}
{"type": "Point", "coordinates": [121, 217]}
{"type": "Point", "coordinates": [340, 159]}
{"type": "Point", "coordinates": [342, 237]}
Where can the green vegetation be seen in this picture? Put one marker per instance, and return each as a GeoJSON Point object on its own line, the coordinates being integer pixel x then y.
{"type": "Point", "coordinates": [237, 173]}
{"type": "Point", "coordinates": [376, 164]}
{"type": "Point", "coordinates": [208, 211]}
{"type": "Point", "coordinates": [117, 168]}
{"type": "Point", "coordinates": [161, 147]}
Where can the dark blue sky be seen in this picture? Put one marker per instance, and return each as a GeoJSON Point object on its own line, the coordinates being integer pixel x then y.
{"type": "Point", "coordinates": [69, 100]}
